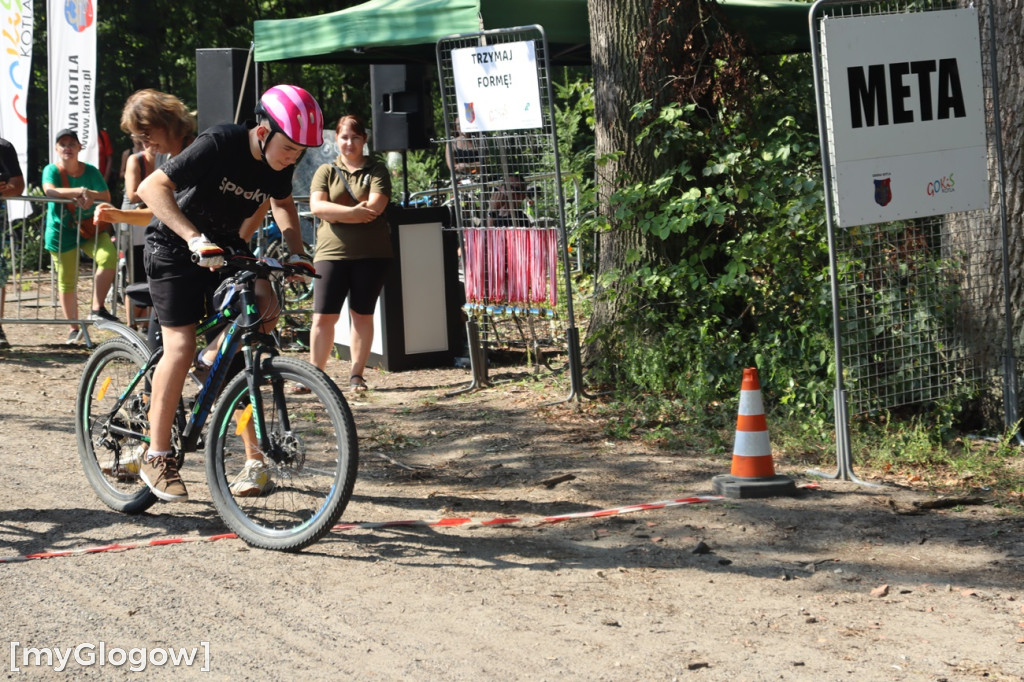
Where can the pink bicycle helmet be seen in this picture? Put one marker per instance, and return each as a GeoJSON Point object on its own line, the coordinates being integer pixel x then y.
{"type": "Point", "coordinates": [294, 113]}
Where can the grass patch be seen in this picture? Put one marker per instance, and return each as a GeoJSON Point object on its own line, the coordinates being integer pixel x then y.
{"type": "Point", "coordinates": [921, 451]}
{"type": "Point", "coordinates": [913, 453]}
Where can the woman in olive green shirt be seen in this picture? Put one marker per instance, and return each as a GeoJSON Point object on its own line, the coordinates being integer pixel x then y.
{"type": "Point", "coordinates": [353, 246]}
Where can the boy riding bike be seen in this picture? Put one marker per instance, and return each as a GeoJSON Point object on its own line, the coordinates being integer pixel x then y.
{"type": "Point", "coordinates": [200, 199]}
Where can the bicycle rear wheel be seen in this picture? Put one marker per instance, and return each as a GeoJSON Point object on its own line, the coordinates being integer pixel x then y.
{"type": "Point", "coordinates": [312, 461]}
{"type": "Point", "coordinates": [110, 457]}
{"type": "Point", "coordinates": [294, 296]}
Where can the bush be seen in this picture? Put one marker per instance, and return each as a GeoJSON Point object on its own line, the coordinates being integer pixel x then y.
{"type": "Point", "coordinates": [744, 276]}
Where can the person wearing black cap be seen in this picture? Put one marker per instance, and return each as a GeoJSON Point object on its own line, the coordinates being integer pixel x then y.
{"type": "Point", "coordinates": [12, 184]}
{"type": "Point", "coordinates": [84, 185]}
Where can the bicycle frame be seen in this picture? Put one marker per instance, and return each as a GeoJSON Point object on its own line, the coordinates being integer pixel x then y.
{"type": "Point", "coordinates": [242, 321]}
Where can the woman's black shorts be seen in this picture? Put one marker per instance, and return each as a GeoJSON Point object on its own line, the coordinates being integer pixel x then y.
{"type": "Point", "coordinates": [360, 280]}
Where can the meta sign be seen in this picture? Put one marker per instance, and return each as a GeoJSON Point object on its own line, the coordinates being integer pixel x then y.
{"type": "Point", "coordinates": [907, 113]}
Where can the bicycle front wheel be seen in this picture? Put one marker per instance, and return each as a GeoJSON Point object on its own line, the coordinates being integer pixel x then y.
{"type": "Point", "coordinates": [301, 490]}
{"type": "Point", "coordinates": [108, 424]}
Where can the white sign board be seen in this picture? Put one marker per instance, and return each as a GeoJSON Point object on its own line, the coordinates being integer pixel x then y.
{"type": "Point", "coordinates": [907, 114]}
{"type": "Point", "coordinates": [496, 87]}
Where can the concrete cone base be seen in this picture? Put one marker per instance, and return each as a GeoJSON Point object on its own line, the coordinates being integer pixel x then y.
{"type": "Point", "coordinates": [769, 486]}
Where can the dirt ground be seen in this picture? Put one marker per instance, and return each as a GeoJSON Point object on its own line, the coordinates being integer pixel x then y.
{"type": "Point", "coordinates": [841, 582]}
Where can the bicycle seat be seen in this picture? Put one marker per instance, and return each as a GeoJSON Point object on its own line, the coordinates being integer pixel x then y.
{"type": "Point", "coordinates": [139, 293]}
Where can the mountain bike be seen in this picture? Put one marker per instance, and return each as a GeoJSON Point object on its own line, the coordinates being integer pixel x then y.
{"type": "Point", "coordinates": [307, 437]}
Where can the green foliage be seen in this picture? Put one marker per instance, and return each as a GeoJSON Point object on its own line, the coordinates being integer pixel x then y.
{"type": "Point", "coordinates": [911, 443]}
{"type": "Point", "coordinates": [425, 170]}
{"type": "Point", "coordinates": [741, 273]}
{"type": "Point", "coordinates": [924, 452]}
{"type": "Point", "coordinates": [574, 122]}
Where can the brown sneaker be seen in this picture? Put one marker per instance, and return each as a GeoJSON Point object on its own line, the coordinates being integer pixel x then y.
{"type": "Point", "coordinates": [161, 475]}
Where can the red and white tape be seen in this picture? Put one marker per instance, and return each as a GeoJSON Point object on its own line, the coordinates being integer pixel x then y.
{"type": "Point", "coordinates": [436, 523]}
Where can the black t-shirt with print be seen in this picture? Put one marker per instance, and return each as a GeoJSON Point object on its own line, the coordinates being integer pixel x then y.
{"type": "Point", "coordinates": [219, 184]}
{"type": "Point", "coordinates": [9, 166]}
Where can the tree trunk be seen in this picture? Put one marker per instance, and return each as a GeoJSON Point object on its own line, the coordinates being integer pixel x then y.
{"type": "Point", "coordinates": [1010, 44]}
{"type": "Point", "coordinates": [666, 51]}
{"type": "Point", "coordinates": [984, 315]}
{"type": "Point", "coordinates": [615, 28]}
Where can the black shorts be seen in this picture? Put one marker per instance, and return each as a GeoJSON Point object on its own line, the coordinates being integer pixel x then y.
{"type": "Point", "coordinates": [181, 290]}
{"type": "Point", "coordinates": [360, 280]}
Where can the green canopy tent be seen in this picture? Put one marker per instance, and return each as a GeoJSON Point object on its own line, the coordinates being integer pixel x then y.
{"type": "Point", "coordinates": [405, 31]}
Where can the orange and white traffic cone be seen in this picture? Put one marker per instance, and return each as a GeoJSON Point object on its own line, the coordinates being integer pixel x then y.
{"type": "Point", "coordinates": [753, 471]}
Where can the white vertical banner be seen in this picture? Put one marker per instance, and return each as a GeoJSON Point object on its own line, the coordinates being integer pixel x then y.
{"type": "Point", "coordinates": [17, 19]}
{"type": "Point", "coordinates": [71, 43]}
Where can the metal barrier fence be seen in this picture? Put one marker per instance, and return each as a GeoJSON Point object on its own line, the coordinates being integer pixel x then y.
{"type": "Point", "coordinates": [920, 306]}
{"type": "Point", "coordinates": [507, 197]}
{"type": "Point", "coordinates": [442, 196]}
{"type": "Point", "coordinates": [31, 292]}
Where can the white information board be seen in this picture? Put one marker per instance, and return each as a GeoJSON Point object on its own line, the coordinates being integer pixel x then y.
{"type": "Point", "coordinates": [496, 87]}
{"type": "Point", "coordinates": [906, 108]}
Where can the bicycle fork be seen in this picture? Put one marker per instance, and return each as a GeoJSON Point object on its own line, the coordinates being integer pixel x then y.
{"type": "Point", "coordinates": [256, 348]}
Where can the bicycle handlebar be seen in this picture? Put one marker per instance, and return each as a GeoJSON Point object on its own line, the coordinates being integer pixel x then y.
{"type": "Point", "coordinates": [236, 261]}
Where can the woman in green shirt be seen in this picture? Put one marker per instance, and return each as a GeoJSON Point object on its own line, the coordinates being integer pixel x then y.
{"type": "Point", "coordinates": [83, 184]}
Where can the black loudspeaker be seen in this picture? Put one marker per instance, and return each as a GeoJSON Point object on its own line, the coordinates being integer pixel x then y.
{"type": "Point", "coordinates": [403, 116]}
{"type": "Point", "coordinates": [220, 73]}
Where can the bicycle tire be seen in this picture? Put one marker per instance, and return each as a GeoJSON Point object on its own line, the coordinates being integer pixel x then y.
{"type": "Point", "coordinates": [277, 249]}
{"type": "Point", "coordinates": [312, 464]}
{"type": "Point", "coordinates": [106, 457]}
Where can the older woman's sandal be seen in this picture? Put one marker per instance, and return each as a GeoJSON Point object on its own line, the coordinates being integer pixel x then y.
{"type": "Point", "coordinates": [356, 383]}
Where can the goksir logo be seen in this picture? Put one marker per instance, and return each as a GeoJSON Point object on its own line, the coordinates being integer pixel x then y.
{"type": "Point", "coordinates": [941, 186]}
{"type": "Point", "coordinates": [79, 14]}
